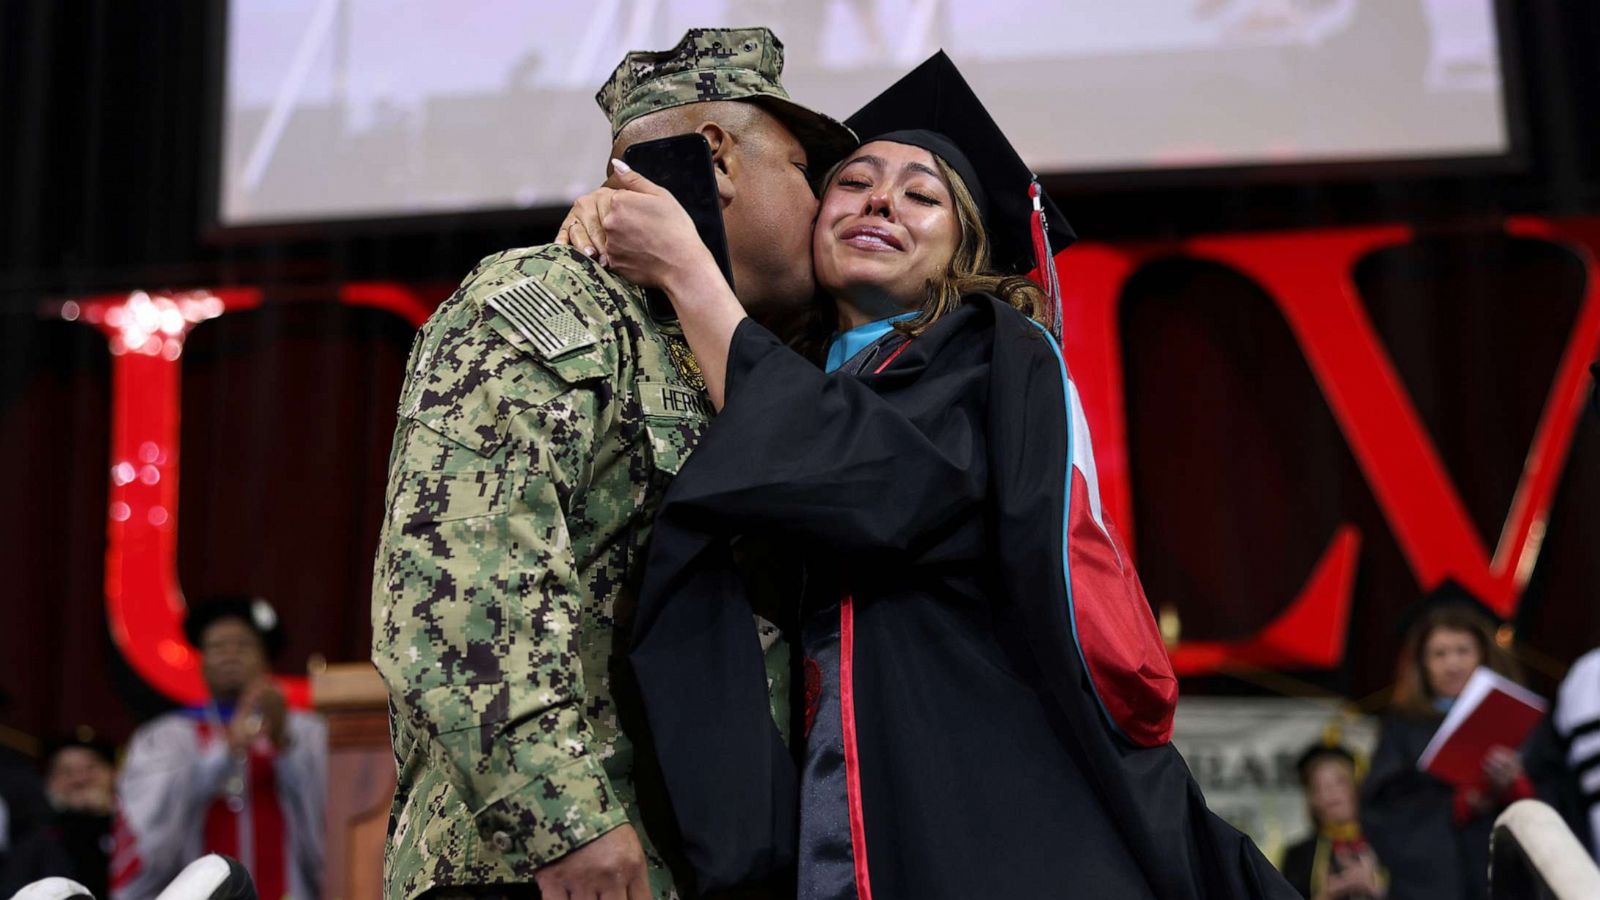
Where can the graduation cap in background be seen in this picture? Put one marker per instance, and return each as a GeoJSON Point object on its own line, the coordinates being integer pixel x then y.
{"type": "Point", "coordinates": [84, 738]}
{"type": "Point", "coordinates": [255, 612]}
{"type": "Point", "coordinates": [934, 108]}
{"type": "Point", "coordinates": [1320, 751]}
{"type": "Point", "coordinates": [1449, 595]}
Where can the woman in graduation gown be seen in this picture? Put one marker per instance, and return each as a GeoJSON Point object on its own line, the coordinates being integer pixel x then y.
{"type": "Point", "coordinates": [1433, 837]}
{"type": "Point", "coordinates": [1334, 862]}
{"type": "Point", "coordinates": [988, 701]}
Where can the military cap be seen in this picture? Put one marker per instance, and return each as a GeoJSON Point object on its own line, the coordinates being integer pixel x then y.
{"type": "Point", "coordinates": [254, 612]}
{"type": "Point", "coordinates": [720, 64]}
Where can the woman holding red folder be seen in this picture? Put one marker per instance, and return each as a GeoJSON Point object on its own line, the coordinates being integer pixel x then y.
{"type": "Point", "coordinates": [1434, 836]}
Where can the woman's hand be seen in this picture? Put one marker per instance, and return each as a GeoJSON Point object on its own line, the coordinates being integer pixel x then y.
{"type": "Point", "coordinates": [1502, 766]}
{"type": "Point", "coordinates": [651, 241]}
{"type": "Point", "coordinates": [581, 228]}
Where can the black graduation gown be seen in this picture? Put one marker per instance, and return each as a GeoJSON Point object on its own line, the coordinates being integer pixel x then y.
{"type": "Point", "coordinates": [1545, 756]}
{"type": "Point", "coordinates": [986, 765]}
{"type": "Point", "coordinates": [1408, 817]}
{"type": "Point", "coordinates": [1299, 861]}
{"type": "Point", "coordinates": [71, 845]}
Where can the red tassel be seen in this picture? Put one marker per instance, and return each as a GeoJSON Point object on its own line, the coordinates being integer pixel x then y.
{"type": "Point", "coordinates": [1045, 271]}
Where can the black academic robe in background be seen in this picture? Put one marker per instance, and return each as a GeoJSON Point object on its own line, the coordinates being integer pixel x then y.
{"type": "Point", "coordinates": [1546, 757]}
{"type": "Point", "coordinates": [1299, 863]}
{"type": "Point", "coordinates": [1308, 865]}
{"type": "Point", "coordinates": [1408, 817]}
{"type": "Point", "coordinates": [75, 845]}
{"type": "Point", "coordinates": [988, 764]}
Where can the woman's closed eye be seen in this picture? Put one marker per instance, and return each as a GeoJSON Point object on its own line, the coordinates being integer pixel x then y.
{"type": "Point", "coordinates": [860, 184]}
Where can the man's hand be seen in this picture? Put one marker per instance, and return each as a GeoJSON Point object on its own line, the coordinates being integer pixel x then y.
{"type": "Point", "coordinates": [274, 710]}
{"type": "Point", "coordinates": [261, 710]}
{"type": "Point", "coordinates": [610, 867]}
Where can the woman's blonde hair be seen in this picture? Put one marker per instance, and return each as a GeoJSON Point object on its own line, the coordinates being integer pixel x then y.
{"type": "Point", "coordinates": [1413, 695]}
{"type": "Point", "coordinates": [968, 270]}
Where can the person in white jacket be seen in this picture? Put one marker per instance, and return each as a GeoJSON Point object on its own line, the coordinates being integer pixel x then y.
{"type": "Point", "coordinates": [1576, 720]}
{"type": "Point", "coordinates": [241, 775]}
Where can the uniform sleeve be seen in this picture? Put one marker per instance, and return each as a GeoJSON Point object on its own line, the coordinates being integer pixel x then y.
{"type": "Point", "coordinates": [476, 594]}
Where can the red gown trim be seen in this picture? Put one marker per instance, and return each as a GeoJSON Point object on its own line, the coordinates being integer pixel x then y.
{"type": "Point", "coordinates": [891, 358]}
{"type": "Point", "coordinates": [852, 762]}
{"type": "Point", "coordinates": [221, 830]}
{"type": "Point", "coordinates": [268, 825]}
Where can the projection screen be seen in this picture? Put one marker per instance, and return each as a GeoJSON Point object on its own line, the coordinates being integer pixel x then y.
{"type": "Point", "coordinates": [349, 109]}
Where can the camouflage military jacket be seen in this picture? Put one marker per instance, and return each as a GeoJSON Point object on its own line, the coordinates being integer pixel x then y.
{"type": "Point", "coordinates": [543, 415]}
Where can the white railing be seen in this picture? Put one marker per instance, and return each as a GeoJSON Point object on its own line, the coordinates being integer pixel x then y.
{"type": "Point", "coordinates": [1534, 855]}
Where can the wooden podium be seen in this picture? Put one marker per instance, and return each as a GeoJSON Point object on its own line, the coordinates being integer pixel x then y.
{"type": "Point", "coordinates": [352, 698]}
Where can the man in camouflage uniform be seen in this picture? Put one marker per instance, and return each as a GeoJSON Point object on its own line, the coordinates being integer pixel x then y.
{"type": "Point", "coordinates": [545, 409]}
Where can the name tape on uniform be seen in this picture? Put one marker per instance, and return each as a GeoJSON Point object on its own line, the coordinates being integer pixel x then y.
{"type": "Point", "coordinates": [659, 398]}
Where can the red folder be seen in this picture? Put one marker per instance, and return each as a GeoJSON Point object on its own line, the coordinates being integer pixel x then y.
{"type": "Point", "coordinates": [1491, 711]}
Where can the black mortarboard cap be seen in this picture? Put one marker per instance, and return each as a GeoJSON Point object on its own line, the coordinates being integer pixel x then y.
{"type": "Point", "coordinates": [85, 738]}
{"type": "Point", "coordinates": [1318, 751]}
{"type": "Point", "coordinates": [934, 108]}
{"type": "Point", "coordinates": [1449, 594]}
{"type": "Point", "coordinates": [253, 611]}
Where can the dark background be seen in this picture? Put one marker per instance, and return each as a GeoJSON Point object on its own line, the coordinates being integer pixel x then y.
{"type": "Point", "coordinates": [1240, 473]}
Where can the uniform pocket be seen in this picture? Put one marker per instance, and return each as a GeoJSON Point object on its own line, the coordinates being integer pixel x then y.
{"type": "Point", "coordinates": [443, 479]}
{"type": "Point", "coordinates": [444, 568]}
{"type": "Point", "coordinates": [674, 418]}
{"type": "Point", "coordinates": [437, 497]}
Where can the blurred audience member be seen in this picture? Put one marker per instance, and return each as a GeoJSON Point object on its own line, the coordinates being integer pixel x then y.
{"type": "Point", "coordinates": [240, 775]}
{"type": "Point", "coordinates": [1335, 862]}
{"type": "Point", "coordinates": [75, 841]}
{"type": "Point", "coordinates": [22, 802]}
{"type": "Point", "coordinates": [1433, 837]}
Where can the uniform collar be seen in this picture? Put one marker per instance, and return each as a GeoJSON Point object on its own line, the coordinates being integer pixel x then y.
{"type": "Point", "coordinates": [843, 345]}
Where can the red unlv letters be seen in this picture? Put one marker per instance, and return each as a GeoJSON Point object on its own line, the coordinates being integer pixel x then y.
{"type": "Point", "coordinates": [143, 600]}
{"type": "Point", "coordinates": [1307, 274]}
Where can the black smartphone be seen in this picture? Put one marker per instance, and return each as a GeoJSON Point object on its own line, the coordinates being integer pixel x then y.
{"type": "Point", "coordinates": [682, 164]}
